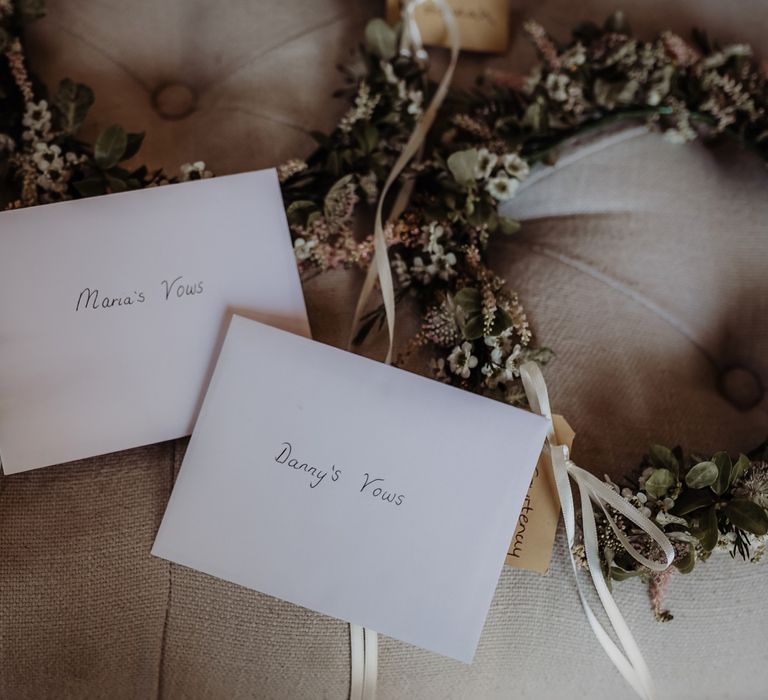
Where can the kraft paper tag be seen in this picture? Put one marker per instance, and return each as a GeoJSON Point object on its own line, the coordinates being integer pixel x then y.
{"type": "Point", "coordinates": [483, 24]}
{"type": "Point", "coordinates": [531, 546]}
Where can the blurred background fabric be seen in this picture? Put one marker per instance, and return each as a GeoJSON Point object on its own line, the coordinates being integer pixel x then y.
{"type": "Point", "coordinates": [641, 263]}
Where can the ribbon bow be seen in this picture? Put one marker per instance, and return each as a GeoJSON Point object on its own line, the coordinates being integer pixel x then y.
{"type": "Point", "coordinates": [630, 662]}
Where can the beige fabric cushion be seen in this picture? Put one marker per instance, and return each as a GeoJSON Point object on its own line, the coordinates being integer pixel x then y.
{"type": "Point", "coordinates": [642, 264]}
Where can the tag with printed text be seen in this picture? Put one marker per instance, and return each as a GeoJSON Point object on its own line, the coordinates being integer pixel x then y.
{"type": "Point", "coordinates": [531, 546]}
{"type": "Point", "coordinates": [483, 24]}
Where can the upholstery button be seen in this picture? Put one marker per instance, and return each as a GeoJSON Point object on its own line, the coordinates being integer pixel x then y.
{"type": "Point", "coordinates": [174, 100]}
{"type": "Point", "coordinates": [741, 387]}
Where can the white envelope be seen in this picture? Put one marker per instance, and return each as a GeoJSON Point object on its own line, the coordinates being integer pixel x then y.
{"type": "Point", "coordinates": [112, 310]}
{"type": "Point", "coordinates": [352, 488]}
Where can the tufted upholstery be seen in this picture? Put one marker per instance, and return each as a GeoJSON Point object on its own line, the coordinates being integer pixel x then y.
{"type": "Point", "coordinates": [642, 264]}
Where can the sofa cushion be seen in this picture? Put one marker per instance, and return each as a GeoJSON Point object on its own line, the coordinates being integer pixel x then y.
{"type": "Point", "coordinates": [641, 264]}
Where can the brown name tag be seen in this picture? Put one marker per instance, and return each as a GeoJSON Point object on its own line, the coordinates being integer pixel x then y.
{"type": "Point", "coordinates": [483, 24]}
{"type": "Point", "coordinates": [531, 546]}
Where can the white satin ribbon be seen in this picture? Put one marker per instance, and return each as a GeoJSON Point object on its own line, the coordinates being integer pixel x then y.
{"type": "Point", "coordinates": [410, 43]}
{"type": "Point", "coordinates": [364, 663]}
{"type": "Point", "coordinates": [364, 642]}
{"type": "Point", "coordinates": [630, 661]}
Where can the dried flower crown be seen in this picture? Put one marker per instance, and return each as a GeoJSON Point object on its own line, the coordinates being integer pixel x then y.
{"type": "Point", "coordinates": [482, 147]}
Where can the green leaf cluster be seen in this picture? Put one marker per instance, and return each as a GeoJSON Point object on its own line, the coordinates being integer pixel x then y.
{"type": "Point", "coordinates": [709, 503]}
{"type": "Point", "coordinates": [472, 321]}
{"type": "Point", "coordinates": [72, 103]}
{"type": "Point", "coordinates": [103, 174]}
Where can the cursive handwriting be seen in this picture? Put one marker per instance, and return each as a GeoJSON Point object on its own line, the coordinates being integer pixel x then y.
{"type": "Point", "coordinates": [180, 289]}
{"type": "Point", "coordinates": [92, 299]}
{"type": "Point", "coordinates": [379, 492]}
{"type": "Point", "coordinates": [522, 522]}
{"type": "Point", "coordinates": [375, 488]}
{"type": "Point", "coordinates": [284, 457]}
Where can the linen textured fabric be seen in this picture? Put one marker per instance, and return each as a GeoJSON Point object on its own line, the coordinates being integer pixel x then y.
{"type": "Point", "coordinates": [642, 264]}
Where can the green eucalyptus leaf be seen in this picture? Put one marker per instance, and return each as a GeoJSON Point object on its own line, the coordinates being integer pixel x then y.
{"type": "Point", "coordinates": [116, 184]}
{"type": "Point", "coordinates": [91, 186]}
{"type": "Point", "coordinates": [691, 500]}
{"type": "Point", "coordinates": [701, 475]}
{"type": "Point", "coordinates": [663, 458]}
{"type": "Point", "coordinates": [139, 173]}
{"type": "Point", "coordinates": [658, 483]}
{"type": "Point", "coordinates": [298, 211]}
{"type": "Point", "coordinates": [619, 574]}
{"type": "Point", "coordinates": [334, 195]}
{"type": "Point", "coordinates": [685, 564]}
{"type": "Point", "coordinates": [739, 467]}
{"type": "Point", "coordinates": [535, 116]}
{"type": "Point", "coordinates": [371, 137]}
{"type": "Point", "coordinates": [723, 462]}
{"type": "Point", "coordinates": [380, 39]}
{"type": "Point", "coordinates": [707, 529]}
{"type": "Point", "coordinates": [474, 327]}
{"type": "Point", "coordinates": [508, 226]}
{"type": "Point", "coordinates": [110, 146]}
{"type": "Point", "coordinates": [133, 145]}
{"type": "Point", "coordinates": [469, 299]}
{"type": "Point", "coordinates": [501, 321]}
{"type": "Point", "coordinates": [747, 515]}
{"type": "Point", "coordinates": [462, 165]}
{"type": "Point", "coordinates": [333, 164]}
{"type": "Point", "coordinates": [72, 101]}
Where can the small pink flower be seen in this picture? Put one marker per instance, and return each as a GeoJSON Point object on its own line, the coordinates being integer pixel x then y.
{"type": "Point", "coordinates": [682, 53]}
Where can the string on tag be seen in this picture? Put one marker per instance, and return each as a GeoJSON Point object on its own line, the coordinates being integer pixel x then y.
{"type": "Point", "coordinates": [630, 661]}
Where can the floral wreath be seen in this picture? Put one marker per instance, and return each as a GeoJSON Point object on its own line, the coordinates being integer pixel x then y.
{"type": "Point", "coordinates": [481, 147]}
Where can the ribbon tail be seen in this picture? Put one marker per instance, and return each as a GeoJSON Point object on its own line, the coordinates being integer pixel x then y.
{"type": "Point", "coordinates": [364, 642]}
{"type": "Point", "coordinates": [356, 662]}
{"type": "Point", "coordinates": [560, 470]}
{"type": "Point", "coordinates": [641, 673]}
{"type": "Point", "coordinates": [380, 262]}
{"type": "Point", "coordinates": [628, 659]}
{"type": "Point", "coordinates": [371, 641]}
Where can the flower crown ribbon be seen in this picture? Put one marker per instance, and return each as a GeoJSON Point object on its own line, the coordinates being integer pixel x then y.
{"type": "Point", "coordinates": [629, 662]}
{"type": "Point", "coordinates": [410, 44]}
{"type": "Point", "coordinates": [363, 642]}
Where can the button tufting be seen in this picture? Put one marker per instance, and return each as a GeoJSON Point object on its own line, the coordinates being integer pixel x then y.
{"type": "Point", "coordinates": [741, 387]}
{"type": "Point", "coordinates": [174, 100]}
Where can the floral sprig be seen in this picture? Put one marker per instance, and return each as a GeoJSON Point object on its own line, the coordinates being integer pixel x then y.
{"type": "Point", "coordinates": [701, 504]}
{"type": "Point", "coordinates": [474, 324]}
{"type": "Point", "coordinates": [42, 157]}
